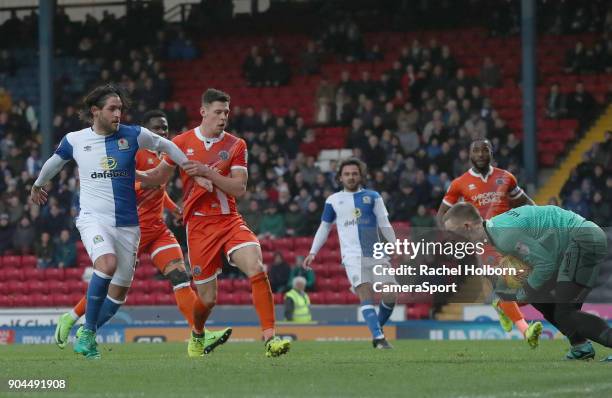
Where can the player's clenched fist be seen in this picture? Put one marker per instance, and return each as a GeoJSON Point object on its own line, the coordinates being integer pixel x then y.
{"type": "Point", "coordinates": [38, 195]}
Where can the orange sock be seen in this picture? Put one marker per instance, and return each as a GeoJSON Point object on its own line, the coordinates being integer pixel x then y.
{"type": "Point", "coordinates": [185, 301]}
{"type": "Point", "coordinates": [79, 309]}
{"type": "Point", "coordinates": [200, 315]}
{"type": "Point", "coordinates": [263, 302]}
{"type": "Point", "coordinates": [511, 309]}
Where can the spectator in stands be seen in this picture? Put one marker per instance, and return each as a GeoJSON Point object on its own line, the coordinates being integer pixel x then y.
{"type": "Point", "coordinates": [278, 72]}
{"type": "Point", "coordinates": [580, 104]}
{"type": "Point", "coordinates": [422, 223]}
{"type": "Point", "coordinates": [278, 273]}
{"type": "Point", "coordinates": [576, 59]}
{"type": "Point", "coordinates": [297, 302]}
{"type": "Point", "coordinates": [298, 271]}
{"type": "Point", "coordinates": [44, 251]}
{"type": "Point", "coordinates": [6, 233]}
{"type": "Point", "coordinates": [294, 220]}
{"type": "Point", "coordinates": [65, 251]}
{"type": "Point", "coordinates": [253, 216]}
{"type": "Point", "coordinates": [490, 76]}
{"type": "Point", "coordinates": [600, 210]}
{"type": "Point", "coordinates": [555, 102]}
{"type": "Point", "coordinates": [272, 223]}
{"type": "Point", "coordinates": [311, 219]}
{"type": "Point", "coordinates": [577, 204]}
{"type": "Point", "coordinates": [6, 100]}
{"type": "Point", "coordinates": [8, 64]}
{"type": "Point", "coordinates": [311, 59]}
{"type": "Point", "coordinates": [24, 236]}
{"type": "Point", "coordinates": [54, 221]}
{"type": "Point", "coordinates": [14, 208]}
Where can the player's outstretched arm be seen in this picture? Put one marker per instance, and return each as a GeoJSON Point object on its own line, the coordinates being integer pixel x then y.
{"type": "Point", "coordinates": [382, 219]}
{"type": "Point", "coordinates": [156, 176]}
{"type": "Point", "coordinates": [52, 166]}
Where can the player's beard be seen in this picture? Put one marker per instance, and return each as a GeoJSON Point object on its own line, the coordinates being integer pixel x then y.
{"type": "Point", "coordinates": [108, 127]}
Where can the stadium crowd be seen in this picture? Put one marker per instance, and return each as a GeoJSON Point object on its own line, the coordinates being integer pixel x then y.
{"type": "Point", "coordinates": [412, 126]}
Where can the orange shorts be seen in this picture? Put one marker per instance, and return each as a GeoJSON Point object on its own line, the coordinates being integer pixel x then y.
{"type": "Point", "coordinates": [161, 245]}
{"type": "Point", "coordinates": [208, 237]}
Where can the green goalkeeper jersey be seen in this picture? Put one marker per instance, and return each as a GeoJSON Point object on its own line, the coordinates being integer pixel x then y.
{"type": "Point", "coordinates": [553, 241]}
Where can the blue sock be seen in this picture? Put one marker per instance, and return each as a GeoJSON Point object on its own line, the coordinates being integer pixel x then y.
{"type": "Point", "coordinates": [108, 310]}
{"type": "Point", "coordinates": [369, 314]}
{"type": "Point", "coordinates": [96, 293]}
{"type": "Point", "coordinates": [384, 312]}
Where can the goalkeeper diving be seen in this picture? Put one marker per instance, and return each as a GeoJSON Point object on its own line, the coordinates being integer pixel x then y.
{"type": "Point", "coordinates": [564, 252]}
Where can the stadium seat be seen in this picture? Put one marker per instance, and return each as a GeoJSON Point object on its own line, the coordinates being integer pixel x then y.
{"type": "Point", "coordinates": [6, 301]}
{"type": "Point", "coordinates": [19, 287]}
{"type": "Point", "coordinates": [41, 300]}
{"type": "Point", "coordinates": [317, 297]}
{"type": "Point", "coordinates": [38, 287]}
{"type": "Point", "coordinates": [11, 274]}
{"type": "Point", "coordinates": [279, 298]}
{"type": "Point", "coordinates": [243, 298]}
{"type": "Point", "coordinates": [54, 274]}
{"type": "Point", "coordinates": [73, 274]}
{"type": "Point", "coordinates": [225, 285]}
{"type": "Point", "coordinates": [75, 286]}
{"type": "Point", "coordinates": [283, 244]}
{"type": "Point", "coordinates": [241, 285]}
{"type": "Point", "coordinates": [33, 274]}
{"type": "Point", "coordinates": [302, 244]}
{"type": "Point", "coordinates": [334, 298]}
{"type": "Point", "coordinates": [28, 261]}
{"type": "Point", "coordinates": [4, 288]}
{"type": "Point", "coordinates": [11, 261]}
{"type": "Point", "coordinates": [22, 300]}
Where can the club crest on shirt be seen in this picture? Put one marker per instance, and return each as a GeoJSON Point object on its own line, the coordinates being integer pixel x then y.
{"type": "Point", "coordinates": [189, 152]}
{"type": "Point", "coordinates": [224, 155]}
{"type": "Point", "coordinates": [98, 239]}
{"type": "Point", "coordinates": [197, 270]}
{"type": "Point", "coordinates": [367, 200]}
{"type": "Point", "coordinates": [357, 213]}
{"type": "Point", "coordinates": [472, 187]}
{"type": "Point", "coordinates": [499, 181]}
{"type": "Point", "coordinates": [108, 163]}
{"type": "Point", "coordinates": [150, 161]}
{"type": "Point", "coordinates": [123, 144]}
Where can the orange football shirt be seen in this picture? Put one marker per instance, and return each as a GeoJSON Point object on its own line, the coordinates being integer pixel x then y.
{"type": "Point", "coordinates": [151, 202]}
{"type": "Point", "coordinates": [491, 194]}
{"type": "Point", "coordinates": [225, 153]}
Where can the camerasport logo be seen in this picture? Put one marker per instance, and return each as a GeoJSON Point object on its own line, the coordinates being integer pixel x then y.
{"type": "Point", "coordinates": [7, 336]}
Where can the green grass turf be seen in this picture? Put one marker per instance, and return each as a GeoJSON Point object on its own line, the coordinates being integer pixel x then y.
{"type": "Point", "coordinates": [315, 369]}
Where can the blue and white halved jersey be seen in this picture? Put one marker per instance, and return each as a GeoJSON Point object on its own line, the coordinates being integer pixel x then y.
{"type": "Point", "coordinates": [107, 171]}
{"type": "Point", "coordinates": [358, 216]}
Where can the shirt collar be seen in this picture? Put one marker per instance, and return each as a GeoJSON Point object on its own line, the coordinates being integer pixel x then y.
{"type": "Point", "coordinates": [485, 177]}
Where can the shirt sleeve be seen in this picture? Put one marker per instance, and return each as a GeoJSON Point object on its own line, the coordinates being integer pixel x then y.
{"type": "Point", "coordinates": [320, 237]}
{"type": "Point", "coordinates": [240, 156]}
{"type": "Point", "coordinates": [52, 166]}
{"type": "Point", "coordinates": [514, 191]}
{"type": "Point", "coordinates": [64, 149]}
{"type": "Point", "coordinates": [453, 194]}
{"type": "Point", "coordinates": [154, 142]}
{"type": "Point", "coordinates": [382, 219]}
{"type": "Point", "coordinates": [329, 214]}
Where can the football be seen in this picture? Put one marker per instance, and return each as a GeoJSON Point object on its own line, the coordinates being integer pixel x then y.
{"type": "Point", "coordinates": [522, 271]}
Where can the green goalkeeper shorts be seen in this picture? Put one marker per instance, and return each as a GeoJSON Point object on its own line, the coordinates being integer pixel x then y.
{"type": "Point", "coordinates": [583, 257]}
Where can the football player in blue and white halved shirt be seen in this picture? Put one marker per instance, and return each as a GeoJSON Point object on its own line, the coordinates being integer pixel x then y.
{"type": "Point", "coordinates": [360, 216]}
{"type": "Point", "coordinates": [108, 219]}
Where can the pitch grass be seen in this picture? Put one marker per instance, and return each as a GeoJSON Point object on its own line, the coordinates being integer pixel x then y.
{"type": "Point", "coordinates": [415, 368]}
